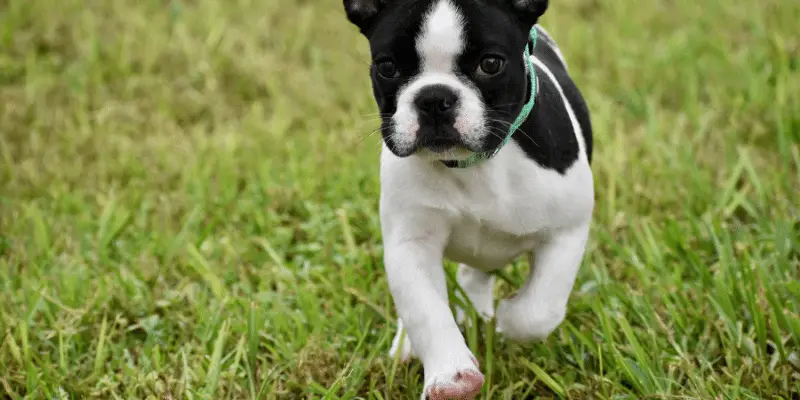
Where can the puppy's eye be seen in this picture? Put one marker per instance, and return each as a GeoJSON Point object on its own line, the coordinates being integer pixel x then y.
{"type": "Point", "coordinates": [491, 65]}
{"type": "Point", "coordinates": [386, 69]}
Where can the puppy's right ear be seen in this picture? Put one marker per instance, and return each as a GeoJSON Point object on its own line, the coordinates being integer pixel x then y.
{"type": "Point", "coordinates": [362, 13]}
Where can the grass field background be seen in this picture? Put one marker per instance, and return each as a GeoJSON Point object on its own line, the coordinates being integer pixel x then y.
{"type": "Point", "coordinates": [189, 192]}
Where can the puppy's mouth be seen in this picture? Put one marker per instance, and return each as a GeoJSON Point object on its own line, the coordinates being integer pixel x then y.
{"type": "Point", "coordinates": [439, 139]}
{"type": "Point", "coordinates": [440, 145]}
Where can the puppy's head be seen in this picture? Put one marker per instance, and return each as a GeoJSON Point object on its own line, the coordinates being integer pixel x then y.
{"type": "Point", "coordinates": [449, 76]}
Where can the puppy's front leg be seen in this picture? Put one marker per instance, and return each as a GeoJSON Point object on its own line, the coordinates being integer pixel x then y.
{"type": "Point", "coordinates": [541, 304]}
{"type": "Point", "coordinates": [417, 282]}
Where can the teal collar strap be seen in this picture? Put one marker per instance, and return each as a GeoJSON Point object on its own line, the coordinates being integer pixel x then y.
{"type": "Point", "coordinates": [523, 115]}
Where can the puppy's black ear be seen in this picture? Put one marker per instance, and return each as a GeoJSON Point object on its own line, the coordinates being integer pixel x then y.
{"type": "Point", "coordinates": [363, 12]}
{"type": "Point", "coordinates": [529, 11]}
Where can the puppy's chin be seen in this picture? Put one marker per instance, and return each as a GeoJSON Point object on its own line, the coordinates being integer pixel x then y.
{"type": "Point", "coordinates": [454, 153]}
{"type": "Point", "coordinates": [454, 149]}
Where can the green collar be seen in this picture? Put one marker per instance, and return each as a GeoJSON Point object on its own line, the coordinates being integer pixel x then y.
{"type": "Point", "coordinates": [523, 115]}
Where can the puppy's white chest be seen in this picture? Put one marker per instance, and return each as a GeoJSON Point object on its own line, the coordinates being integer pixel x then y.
{"type": "Point", "coordinates": [486, 243]}
{"type": "Point", "coordinates": [490, 213]}
{"type": "Point", "coordinates": [496, 215]}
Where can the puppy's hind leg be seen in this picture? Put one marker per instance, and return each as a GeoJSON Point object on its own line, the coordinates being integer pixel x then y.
{"type": "Point", "coordinates": [479, 287]}
{"type": "Point", "coordinates": [401, 345]}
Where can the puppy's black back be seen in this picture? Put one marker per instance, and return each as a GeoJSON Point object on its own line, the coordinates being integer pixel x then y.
{"type": "Point", "coordinates": [548, 136]}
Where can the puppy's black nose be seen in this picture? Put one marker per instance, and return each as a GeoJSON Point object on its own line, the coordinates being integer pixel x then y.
{"type": "Point", "coordinates": [436, 101]}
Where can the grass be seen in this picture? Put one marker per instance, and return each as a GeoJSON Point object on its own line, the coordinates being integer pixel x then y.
{"type": "Point", "coordinates": [188, 206]}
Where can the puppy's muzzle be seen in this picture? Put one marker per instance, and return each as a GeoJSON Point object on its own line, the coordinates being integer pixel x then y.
{"type": "Point", "coordinates": [436, 109]}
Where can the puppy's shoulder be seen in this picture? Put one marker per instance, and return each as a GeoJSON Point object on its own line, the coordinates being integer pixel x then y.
{"type": "Point", "coordinates": [554, 80]}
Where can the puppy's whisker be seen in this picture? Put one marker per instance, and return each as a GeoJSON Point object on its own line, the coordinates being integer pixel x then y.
{"type": "Point", "coordinates": [371, 120]}
{"type": "Point", "coordinates": [509, 125]}
{"type": "Point", "coordinates": [374, 131]}
{"type": "Point", "coordinates": [499, 135]}
{"type": "Point", "coordinates": [499, 107]}
{"type": "Point", "coordinates": [500, 121]}
{"type": "Point", "coordinates": [378, 114]}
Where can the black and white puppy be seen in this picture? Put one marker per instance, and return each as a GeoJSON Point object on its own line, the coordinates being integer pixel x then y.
{"type": "Point", "coordinates": [449, 78]}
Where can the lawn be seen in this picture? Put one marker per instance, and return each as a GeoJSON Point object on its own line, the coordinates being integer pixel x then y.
{"type": "Point", "coordinates": [189, 193]}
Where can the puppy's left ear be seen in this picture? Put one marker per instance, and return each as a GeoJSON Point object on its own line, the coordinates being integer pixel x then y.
{"type": "Point", "coordinates": [362, 13]}
{"type": "Point", "coordinates": [529, 11]}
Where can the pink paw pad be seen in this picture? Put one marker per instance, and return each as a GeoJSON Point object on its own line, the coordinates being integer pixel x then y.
{"type": "Point", "coordinates": [464, 386]}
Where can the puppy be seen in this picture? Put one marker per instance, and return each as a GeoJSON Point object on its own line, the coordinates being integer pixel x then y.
{"type": "Point", "coordinates": [469, 173]}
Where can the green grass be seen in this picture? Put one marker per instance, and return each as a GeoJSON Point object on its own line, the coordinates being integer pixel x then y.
{"type": "Point", "coordinates": [188, 206]}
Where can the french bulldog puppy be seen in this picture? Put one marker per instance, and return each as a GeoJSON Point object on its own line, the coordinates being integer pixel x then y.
{"type": "Point", "coordinates": [469, 172]}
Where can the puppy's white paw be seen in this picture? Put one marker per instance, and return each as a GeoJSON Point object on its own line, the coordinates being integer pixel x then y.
{"type": "Point", "coordinates": [527, 322]}
{"type": "Point", "coordinates": [401, 345]}
{"type": "Point", "coordinates": [461, 382]}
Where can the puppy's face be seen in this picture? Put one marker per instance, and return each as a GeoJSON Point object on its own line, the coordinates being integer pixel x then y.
{"type": "Point", "coordinates": [448, 76]}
